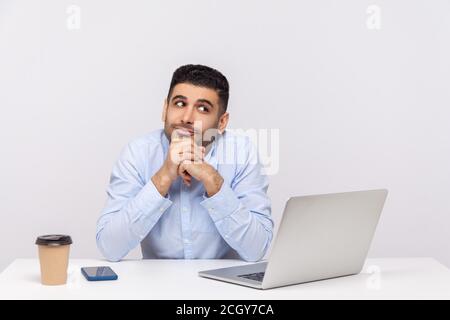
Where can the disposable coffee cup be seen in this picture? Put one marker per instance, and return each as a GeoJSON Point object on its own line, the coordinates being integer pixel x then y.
{"type": "Point", "coordinates": [54, 258]}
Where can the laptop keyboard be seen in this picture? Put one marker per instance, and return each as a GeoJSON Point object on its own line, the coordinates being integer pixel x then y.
{"type": "Point", "coordinates": [254, 276]}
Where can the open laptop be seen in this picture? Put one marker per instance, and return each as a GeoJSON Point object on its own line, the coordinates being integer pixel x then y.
{"type": "Point", "coordinates": [320, 237]}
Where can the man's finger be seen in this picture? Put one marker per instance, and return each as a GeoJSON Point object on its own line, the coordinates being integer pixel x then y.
{"type": "Point", "coordinates": [183, 142]}
{"type": "Point", "coordinates": [184, 174]}
{"type": "Point", "coordinates": [196, 157]}
{"type": "Point", "coordinates": [187, 147]}
{"type": "Point", "coordinates": [191, 157]}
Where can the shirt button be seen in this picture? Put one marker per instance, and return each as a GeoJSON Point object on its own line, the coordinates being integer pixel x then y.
{"type": "Point", "coordinates": [161, 209]}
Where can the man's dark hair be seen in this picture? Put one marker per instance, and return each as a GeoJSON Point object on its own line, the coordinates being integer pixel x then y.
{"type": "Point", "coordinates": [202, 76]}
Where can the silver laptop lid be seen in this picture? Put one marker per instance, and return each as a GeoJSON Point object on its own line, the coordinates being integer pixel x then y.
{"type": "Point", "coordinates": [323, 236]}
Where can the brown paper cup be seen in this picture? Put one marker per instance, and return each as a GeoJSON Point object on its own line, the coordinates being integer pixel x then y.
{"type": "Point", "coordinates": [53, 258]}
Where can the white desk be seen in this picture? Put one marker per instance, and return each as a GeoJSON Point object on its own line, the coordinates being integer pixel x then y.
{"type": "Point", "coordinates": [402, 278]}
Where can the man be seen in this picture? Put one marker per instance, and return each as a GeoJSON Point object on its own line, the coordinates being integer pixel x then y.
{"type": "Point", "coordinates": [192, 190]}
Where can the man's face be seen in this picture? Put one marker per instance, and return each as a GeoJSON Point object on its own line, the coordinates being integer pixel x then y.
{"type": "Point", "coordinates": [196, 109]}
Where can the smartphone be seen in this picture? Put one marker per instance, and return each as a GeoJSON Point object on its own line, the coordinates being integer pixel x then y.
{"type": "Point", "coordinates": [99, 273]}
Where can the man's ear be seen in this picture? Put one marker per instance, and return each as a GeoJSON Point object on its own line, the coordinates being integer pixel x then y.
{"type": "Point", "coordinates": [164, 113]}
{"type": "Point", "coordinates": [223, 122]}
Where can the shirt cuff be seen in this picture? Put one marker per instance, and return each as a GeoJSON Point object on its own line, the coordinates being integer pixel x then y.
{"type": "Point", "coordinates": [222, 204]}
{"type": "Point", "coordinates": [150, 200]}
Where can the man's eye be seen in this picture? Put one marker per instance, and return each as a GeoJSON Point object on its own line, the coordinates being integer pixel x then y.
{"type": "Point", "coordinates": [179, 104]}
{"type": "Point", "coordinates": [203, 108]}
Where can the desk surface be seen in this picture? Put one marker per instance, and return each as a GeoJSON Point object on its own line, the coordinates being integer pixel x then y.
{"type": "Point", "coordinates": [392, 278]}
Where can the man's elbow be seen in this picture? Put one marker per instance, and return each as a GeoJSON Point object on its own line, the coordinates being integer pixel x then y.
{"type": "Point", "coordinates": [106, 252]}
{"type": "Point", "coordinates": [253, 256]}
{"type": "Point", "coordinates": [112, 258]}
{"type": "Point", "coordinates": [258, 254]}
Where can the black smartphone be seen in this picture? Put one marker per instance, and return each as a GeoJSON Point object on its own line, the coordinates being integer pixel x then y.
{"type": "Point", "coordinates": [98, 273]}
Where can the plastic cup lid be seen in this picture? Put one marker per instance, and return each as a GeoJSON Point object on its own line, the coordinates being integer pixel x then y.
{"type": "Point", "coordinates": [53, 240]}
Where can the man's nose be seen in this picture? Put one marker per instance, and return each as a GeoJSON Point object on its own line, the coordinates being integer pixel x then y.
{"type": "Point", "coordinates": [188, 116]}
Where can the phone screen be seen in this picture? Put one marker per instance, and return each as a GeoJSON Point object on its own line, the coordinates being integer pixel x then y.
{"type": "Point", "coordinates": [99, 272]}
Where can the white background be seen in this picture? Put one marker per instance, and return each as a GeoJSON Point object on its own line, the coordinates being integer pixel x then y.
{"type": "Point", "coordinates": [356, 108]}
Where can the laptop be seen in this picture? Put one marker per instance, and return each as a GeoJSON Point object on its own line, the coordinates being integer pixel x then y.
{"type": "Point", "coordinates": [320, 237]}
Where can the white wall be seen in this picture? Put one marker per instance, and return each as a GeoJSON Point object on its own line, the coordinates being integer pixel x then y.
{"type": "Point", "coordinates": [356, 108]}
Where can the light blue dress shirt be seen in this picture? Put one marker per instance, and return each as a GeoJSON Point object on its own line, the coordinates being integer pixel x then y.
{"type": "Point", "coordinates": [186, 223]}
